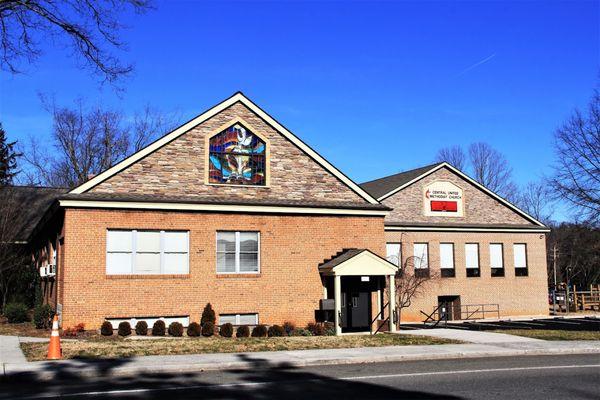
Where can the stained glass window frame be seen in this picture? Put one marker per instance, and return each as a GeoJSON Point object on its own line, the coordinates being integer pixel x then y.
{"type": "Point", "coordinates": [216, 152]}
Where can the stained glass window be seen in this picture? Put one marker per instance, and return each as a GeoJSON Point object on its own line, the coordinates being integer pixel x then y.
{"type": "Point", "coordinates": [237, 156]}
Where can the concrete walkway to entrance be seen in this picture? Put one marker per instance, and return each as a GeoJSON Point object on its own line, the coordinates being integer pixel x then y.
{"type": "Point", "coordinates": [10, 351]}
{"type": "Point", "coordinates": [470, 336]}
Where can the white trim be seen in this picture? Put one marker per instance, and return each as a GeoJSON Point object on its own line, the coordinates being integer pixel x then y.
{"type": "Point", "coordinates": [468, 179]}
{"type": "Point", "coordinates": [218, 207]}
{"type": "Point", "coordinates": [203, 117]}
{"type": "Point", "coordinates": [466, 229]}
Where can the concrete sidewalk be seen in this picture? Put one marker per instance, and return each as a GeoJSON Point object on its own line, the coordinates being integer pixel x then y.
{"type": "Point", "coordinates": [135, 366]}
{"type": "Point", "coordinates": [481, 337]}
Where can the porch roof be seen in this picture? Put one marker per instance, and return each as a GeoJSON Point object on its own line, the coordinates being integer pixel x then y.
{"type": "Point", "coordinates": [356, 262]}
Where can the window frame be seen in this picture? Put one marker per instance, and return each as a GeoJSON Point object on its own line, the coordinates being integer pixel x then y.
{"type": "Point", "coordinates": [399, 255]}
{"type": "Point", "coordinates": [521, 271]}
{"type": "Point", "coordinates": [421, 272]}
{"type": "Point", "coordinates": [133, 253]}
{"type": "Point", "coordinates": [496, 272]}
{"type": "Point", "coordinates": [237, 253]}
{"type": "Point", "coordinates": [237, 318]}
{"type": "Point", "coordinates": [448, 272]}
{"type": "Point", "coordinates": [470, 271]}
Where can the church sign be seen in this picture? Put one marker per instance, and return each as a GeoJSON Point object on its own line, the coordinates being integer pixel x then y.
{"type": "Point", "coordinates": [443, 198]}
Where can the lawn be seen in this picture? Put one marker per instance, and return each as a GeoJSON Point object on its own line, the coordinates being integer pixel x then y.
{"type": "Point", "coordinates": [551, 334]}
{"type": "Point", "coordinates": [118, 347]}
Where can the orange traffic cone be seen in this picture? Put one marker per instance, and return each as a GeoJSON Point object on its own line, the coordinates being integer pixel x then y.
{"type": "Point", "coordinates": [54, 350]}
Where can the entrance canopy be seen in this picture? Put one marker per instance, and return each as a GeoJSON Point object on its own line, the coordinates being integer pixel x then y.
{"type": "Point", "coordinates": [355, 262]}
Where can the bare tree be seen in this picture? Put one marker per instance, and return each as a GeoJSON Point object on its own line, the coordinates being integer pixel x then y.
{"type": "Point", "coordinates": [92, 29]}
{"type": "Point", "coordinates": [12, 253]}
{"type": "Point", "coordinates": [87, 141]}
{"type": "Point", "coordinates": [535, 199]}
{"type": "Point", "coordinates": [491, 169]}
{"type": "Point", "coordinates": [411, 282]}
{"type": "Point", "coordinates": [454, 155]}
{"type": "Point", "coordinates": [577, 169]}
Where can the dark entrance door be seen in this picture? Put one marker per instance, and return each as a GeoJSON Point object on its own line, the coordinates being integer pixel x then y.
{"type": "Point", "coordinates": [449, 307]}
{"type": "Point", "coordinates": [356, 304]}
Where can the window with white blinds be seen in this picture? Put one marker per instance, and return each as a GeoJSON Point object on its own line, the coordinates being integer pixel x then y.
{"type": "Point", "coordinates": [496, 257]}
{"type": "Point", "coordinates": [520, 255]}
{"type": "Point", "coordinates": [447, 255]}
{"type": "Point", "coordinates": [147, 252]}
{"type": "Point", "coordinates": [238, 319]}
{"type": "Point", "coordinates": [238, 252]}
{"type": "Point", "coordinates": [421, 255]}
{"type": "Point", "coordinates": [394, 253]}
{"type": "Point", "coordinates": [472, 255]}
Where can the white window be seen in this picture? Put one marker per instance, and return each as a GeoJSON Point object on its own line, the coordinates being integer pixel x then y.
{"type": "Point", "coordinates": [394, 253]}
{"type": "Point", "coordinates": [472, 255]}
{"type": "Point", "coordinates": [421, 255]}
{"type": "Point", "coordinates": [238, 319]}
{"type": "Point", "coordinates": [147, 252]}
{"type": "Point", "coordinates": [238, 252]}
{"type": "Point", "coordinates": [496, 257]}
{"type": "Point", "coordinates": [520, 254]}
{"type": "Point", "coordinates": [447, 255]}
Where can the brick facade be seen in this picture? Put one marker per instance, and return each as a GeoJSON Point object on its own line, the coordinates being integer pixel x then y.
{"type": "Point", "coordinates": [515, 295]}
{"type": "Point", "coordinates": [288, 287]}
{"type": "Point", "coordinates": [480, 208]}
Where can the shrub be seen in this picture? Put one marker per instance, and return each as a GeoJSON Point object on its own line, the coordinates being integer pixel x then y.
{"type": "Point", "coordinates": [226, 330]}
{"type": "Point", "coordinates": [193, 329]}
{"type": "Point", "coordinates": [259, 331]}
{"type": "Point", "coordinates": [208, 315]}
{"type": "Point", "coordinates": [329, 328]}
{"type": "Point", "coordinates": [74, 330]}
{"type": "Point", "coordinates": [16, 312]}
{"type": "Point", "coordinates": [301, 332]}
{"type": "Point", "coordinates": [288, 327]}
{"type": "Point", "coordinates": [141, 328]}
{"type": "Point", "coordinates": [159, 328]}
{"type": "Point", "coordinates": [176, 329]}
{"type": "Point", "coordinates": [106, 329]}
{"type": "Point", "coordinates": [242, 331]}
{"type": "Point", "coordinates": [208, 329]}
{"type": "Point", "coordinates": [316, 329]}
{"type": "Point", "coordinates": [276, 331]}
{"type": "Point", "coordinates": [42, 316]}
{"type": "Point", "coordinates": [124, 329]}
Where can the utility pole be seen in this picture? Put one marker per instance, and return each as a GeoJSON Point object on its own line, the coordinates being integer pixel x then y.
{"type": "Point", "coordinates": [554, 270]}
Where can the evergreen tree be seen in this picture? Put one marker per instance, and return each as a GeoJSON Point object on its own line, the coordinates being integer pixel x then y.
{"type": "Point", "coordinates": [8, 159]}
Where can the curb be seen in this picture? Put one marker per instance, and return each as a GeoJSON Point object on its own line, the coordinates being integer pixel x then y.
{"type": "Point", "coordinates": [50, 370]}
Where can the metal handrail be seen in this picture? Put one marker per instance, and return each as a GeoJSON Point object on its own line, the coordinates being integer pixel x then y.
{"type": "Point", "coordinates": [378, 314]}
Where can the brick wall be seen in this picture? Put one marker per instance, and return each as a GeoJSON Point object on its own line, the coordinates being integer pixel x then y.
{"type": "Point", "coordinates": [288, 287]}
{"type": "Point", "coordinates": [516, 295]}
{"type": "Point", "coordinates": [480, 208]}
{"type": "Point", "coordinates": [178, 169]}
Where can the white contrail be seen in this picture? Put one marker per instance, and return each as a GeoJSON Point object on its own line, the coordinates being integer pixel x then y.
{"type": "Point", "coordinates": [477, 64]}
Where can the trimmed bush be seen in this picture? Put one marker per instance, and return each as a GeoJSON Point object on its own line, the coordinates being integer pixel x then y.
{"type": "Point", "coordinates": [106, 329]}
{"type": "Point", "coordinates": [159, 328]}
{"type": "Point", "coordinates": [288, 327]}
{"type": "Point", "coordinates": [208, 329]}
{"type": "Point", "coordinates": [208, 315]}
{"type": "Point", "coordinates": [226, 330]}
{"type": "Point", "coordinates": [301, 332]}
{"type": "Point", "coordinates": [193, 329]}
{"type": "Point", "coordinates": [259, 331]}
{"type": "Point", "coordinates": [16, 313]}
{"type": "Point", "coordinates": [329, 328]}
{"type": "Point", "coordinates": [316, 329]}
{"type": "Point", "coordinates": [276, 331]}
{"type": "Point", "coordinates": [42, 316]}
{"type": "Point", "coordinates": [124, 329]}
{"type": "Point", "coordinates": [242, 331]}
{"type": "Point", "coordinates": [141, 328]}
{"type": "Point", "coordinates": [176, 329]}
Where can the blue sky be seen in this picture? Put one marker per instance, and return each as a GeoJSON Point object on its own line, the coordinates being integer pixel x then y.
{"type": "Point", "coordinates": [375, 87]}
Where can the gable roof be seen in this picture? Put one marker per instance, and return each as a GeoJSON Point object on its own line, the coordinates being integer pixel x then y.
{"type": "Point", "coordinates": [381, 186]}
{"type": "Point", "coordinates": [390, 185]}
{"type": "Point", "coordinates": [357, 262]}
{"type": "Point", "coordinates": [237, 97]}
{"type": "Point", "coordinates": [33, 202]}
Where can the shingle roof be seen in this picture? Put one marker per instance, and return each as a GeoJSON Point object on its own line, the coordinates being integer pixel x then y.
{"type": "Point", "coordinates": [218, 200]}
{"type": "Point", "coordinates": [381, 186]}
{"type": "Point", "coordinates": [33, 202]}
{"type": "Point", "coordinates": [339, 258]}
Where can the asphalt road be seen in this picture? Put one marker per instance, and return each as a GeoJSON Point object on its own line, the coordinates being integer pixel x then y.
{"type": "Point", "coordinates": [531, 377]}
